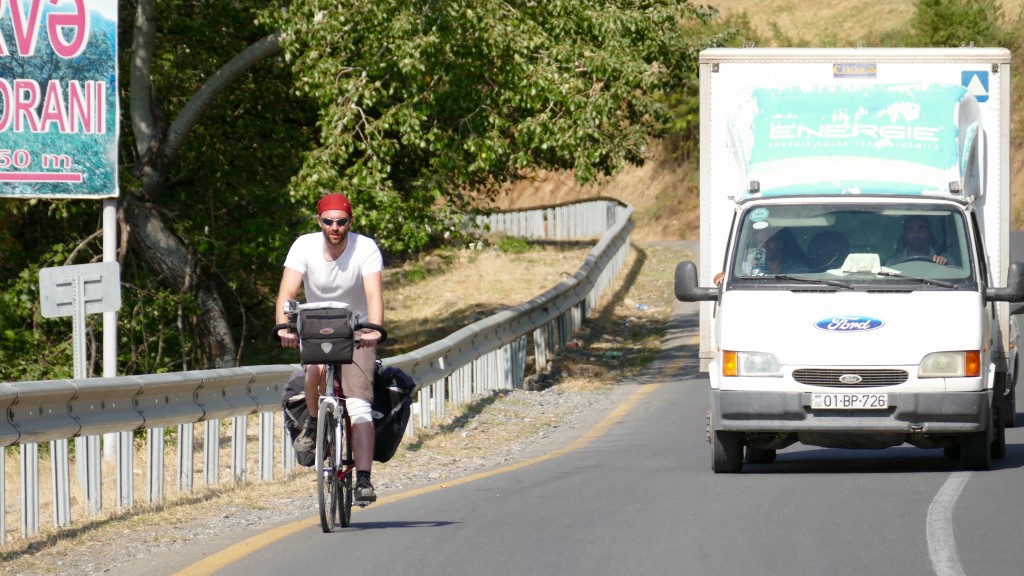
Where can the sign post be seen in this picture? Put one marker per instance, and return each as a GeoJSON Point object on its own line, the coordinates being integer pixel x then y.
{"type": "Point", "coordinates": [76, 291]}
{"type": "Point", "coordinates": [59, 125]}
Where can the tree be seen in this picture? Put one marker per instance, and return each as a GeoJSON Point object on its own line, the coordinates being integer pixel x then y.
{"type": "Point", "coordinates": [423, 102]}
{"type": "Point", "coordinates": [408, 107]}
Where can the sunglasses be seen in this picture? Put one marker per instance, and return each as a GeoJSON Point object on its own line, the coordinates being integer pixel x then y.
{"type": "Point", "coordinates": [341, 222]}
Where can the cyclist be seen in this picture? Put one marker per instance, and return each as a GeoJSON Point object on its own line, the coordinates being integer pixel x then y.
{"type": "Point", "coordinates": [339, 265]}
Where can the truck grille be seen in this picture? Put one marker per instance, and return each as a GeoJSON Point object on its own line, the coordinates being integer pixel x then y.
{"type": "Point", "coordinates": [831, 377]}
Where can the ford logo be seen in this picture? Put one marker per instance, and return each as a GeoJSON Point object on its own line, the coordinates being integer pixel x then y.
{"type": "Point", "coordinates": [849, 324]}
{"type": "Point", "coordinates": [850, 379]}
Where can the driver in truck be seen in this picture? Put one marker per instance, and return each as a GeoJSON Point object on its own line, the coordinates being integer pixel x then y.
{"type": "Point", "coordinates": [917, 241]}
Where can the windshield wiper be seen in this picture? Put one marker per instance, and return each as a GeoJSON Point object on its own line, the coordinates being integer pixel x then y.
{"type": "Point", "coordinates": [920, 279]}
{"type": "Point", "coordinates": [835, 283]}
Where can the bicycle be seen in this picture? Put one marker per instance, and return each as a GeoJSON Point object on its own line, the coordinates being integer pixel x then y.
{"type": "Point", "coordinates": [335, 463]}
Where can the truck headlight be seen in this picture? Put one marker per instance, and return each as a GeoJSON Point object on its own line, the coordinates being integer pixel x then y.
{"type": "Point", "coordinates": [750, 364]}
{"type": "Point", "coordinates": [950, 365]}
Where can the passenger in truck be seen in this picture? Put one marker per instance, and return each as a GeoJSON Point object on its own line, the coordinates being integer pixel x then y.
{"type": "Point", "coordinates": [779, 254]}
{"type": "Point", "coordinates": [916, 243]}
{"type": "Point", "coordinates": [782, 254]}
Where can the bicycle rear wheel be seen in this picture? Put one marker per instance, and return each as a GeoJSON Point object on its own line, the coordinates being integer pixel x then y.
{"type": "Point", "coordinates": [326, 468]}
{"type": "Point", "coordinates": [347, 469]}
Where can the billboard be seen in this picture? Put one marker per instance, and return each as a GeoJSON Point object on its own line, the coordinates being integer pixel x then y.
{"type": "Point", "coordinates": [59, 112]}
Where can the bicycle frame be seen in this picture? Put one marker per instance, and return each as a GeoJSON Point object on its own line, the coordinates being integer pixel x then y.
{"type": "Point", "coordinates": [334, 468]}
{"type": "Point", "coordinates": [334, 401]}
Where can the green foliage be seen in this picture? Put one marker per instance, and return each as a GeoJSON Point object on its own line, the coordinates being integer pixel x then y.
{"type": "Point", "coordinates": [682, 123]}
{"type": "Point", "coordinates": [422, 102]}
{"type": "Point", "coordinates": [415, 272]}
{"type": "Point", "coordinates": [512, 245]}
{"type": "Point", "coordinates": [953, 23]}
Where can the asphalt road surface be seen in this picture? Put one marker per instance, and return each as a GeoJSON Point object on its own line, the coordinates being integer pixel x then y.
{"type": "Point", "coordinates": [637, 496]}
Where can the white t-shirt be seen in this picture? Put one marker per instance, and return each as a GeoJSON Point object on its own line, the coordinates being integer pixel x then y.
{"type": "Point", "coordinates": [340, 280]}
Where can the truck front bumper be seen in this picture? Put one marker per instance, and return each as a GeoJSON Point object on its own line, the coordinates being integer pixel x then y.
{"type": "Point", "coordinates": [915, 412]}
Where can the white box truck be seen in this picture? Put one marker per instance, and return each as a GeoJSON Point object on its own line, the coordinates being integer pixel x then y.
{"type": "Point", "coordinates": [853, 276]}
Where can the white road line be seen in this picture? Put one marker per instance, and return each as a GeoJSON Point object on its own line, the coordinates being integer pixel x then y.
{"type": "Point", "coordinates": [941, 543]}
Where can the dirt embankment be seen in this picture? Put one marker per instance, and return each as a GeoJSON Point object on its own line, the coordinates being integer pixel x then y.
{"type": "Point", "coordinates": [663, 192]}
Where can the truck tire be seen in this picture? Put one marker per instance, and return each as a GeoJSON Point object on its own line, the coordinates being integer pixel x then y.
{"type": "Point", "coordinates": [1010, 404]}
{"type": "Point", "coordinates": [760, 455]}
{"type": "Point", "coordinates": [726, 452]}
{"type": "Point", "coordinates": [1011, 408]}
{"type": "Point", "coordinates": [999, 433]}
{"type": "Point", "coordinates": [976, 450]}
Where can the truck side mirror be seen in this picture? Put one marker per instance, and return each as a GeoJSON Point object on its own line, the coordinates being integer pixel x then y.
{"type": "Point", "coordinates": [1014, 291]}
{"type": "Point", "coordinates": [686, 285]}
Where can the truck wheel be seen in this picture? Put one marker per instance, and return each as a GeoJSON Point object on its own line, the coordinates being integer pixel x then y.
{"type": "Point", "coordinates": [976, 450]}
{"type": "Point", "coordinates": [1010, 404]}
{"type": "Point", "coordinates": [999, 433]}
{"type": "Point", "coordinates": [726, 451]}
{"type": "Point", "coordinates": [760, 455]}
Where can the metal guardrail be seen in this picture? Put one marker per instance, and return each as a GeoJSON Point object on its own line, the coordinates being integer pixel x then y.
{"type": "Point", "coordinates": [488, 354]}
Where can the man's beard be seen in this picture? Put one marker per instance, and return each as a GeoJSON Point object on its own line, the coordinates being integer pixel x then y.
{"type": "Point", "coordinates": [331, 241]}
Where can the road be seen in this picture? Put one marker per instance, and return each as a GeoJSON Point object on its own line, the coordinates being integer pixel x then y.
{"type": "Point", "coordinates": [637, 496]}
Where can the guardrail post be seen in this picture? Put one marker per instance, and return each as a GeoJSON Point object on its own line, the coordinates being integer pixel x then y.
{"type": "Point", "coordinates": [239, 445]}
{"type": "Point", "coordinates": [155, 457]}
{"type": "Point", "coordinates": [3, 500]}
{"type": "Point", "coordinates": [266, 446]}
{"type": "Point", "coordinates": [186, 445]}
{"type": "Point", "coordinates": [424, 401]}
{"type": "Point", "coordinates": [60, 482]}
{"type": "Point", "coordinates": [29, 489]}
{"type": "Point", "coordinates": [287, 451]}
{"type": "Point", "coordinates": [211, 452]}
{"type": "Point", "coordinates": [125, 469]}
{"type": "Point", "coordinates": [90, 473]}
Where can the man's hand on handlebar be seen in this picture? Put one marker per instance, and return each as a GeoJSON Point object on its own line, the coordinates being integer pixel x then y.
{"type": "Point", "coordinates": [288, 339]}
{"type": "Point", "coordinates": [368, 339]}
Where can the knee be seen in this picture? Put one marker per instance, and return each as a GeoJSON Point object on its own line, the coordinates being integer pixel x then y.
{"type": "Point", "coordinates": [358, 410]}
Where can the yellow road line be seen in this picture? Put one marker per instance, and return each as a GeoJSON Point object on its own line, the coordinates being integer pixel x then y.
{"type": "Point", "coordinates": [233, 553]}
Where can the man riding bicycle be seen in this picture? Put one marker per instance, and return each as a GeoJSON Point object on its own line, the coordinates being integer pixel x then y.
{"type": "Point", "coordinates": [341, 266]}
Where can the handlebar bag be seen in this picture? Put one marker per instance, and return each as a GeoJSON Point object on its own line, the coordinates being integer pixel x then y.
{"type": "Point", "coordinates": [325, 334]}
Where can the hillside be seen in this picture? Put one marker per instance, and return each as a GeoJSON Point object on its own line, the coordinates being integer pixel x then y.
{"type": "Point", "coordinates": [664, 190]}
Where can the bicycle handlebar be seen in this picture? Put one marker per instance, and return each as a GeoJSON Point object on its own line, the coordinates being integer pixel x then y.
{"type": "Point", "coordinates": [291, 327]}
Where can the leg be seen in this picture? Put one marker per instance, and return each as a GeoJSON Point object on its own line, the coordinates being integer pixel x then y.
{"type": "Point", "coordinates": [357, 384]}
{"type": "Point", "coordinates": [314, 388]}
{"type": "Point", "coordinates": [362, 445]}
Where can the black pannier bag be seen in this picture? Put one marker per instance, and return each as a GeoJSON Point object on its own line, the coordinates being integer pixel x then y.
{"type": "Point", "coordinates": [293, 404]}
{"type": "Point", "coordinates": [392, 400]}
{"type": "Point", "coordinates": [325, 334]}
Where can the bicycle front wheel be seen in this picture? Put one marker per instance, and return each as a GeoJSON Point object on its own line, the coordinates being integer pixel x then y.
{"type": "Point", "coordinates": [326, 468]}
{"type": "Point", "coordinates": [345, 478]}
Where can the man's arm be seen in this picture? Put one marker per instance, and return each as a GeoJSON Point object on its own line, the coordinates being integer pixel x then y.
{"type": "Point", "coordinates": [291, 281]}
{"type": "Point", "coordinates": [373, 287]}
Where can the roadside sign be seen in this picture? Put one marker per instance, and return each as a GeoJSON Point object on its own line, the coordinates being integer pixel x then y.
{"type": "Point", "coordinates": [97, 287]}
{"type": "Point", "coordinates": [59, 113]}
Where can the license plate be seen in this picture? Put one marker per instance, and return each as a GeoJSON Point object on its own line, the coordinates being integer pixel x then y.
{"type": "Point", "coordinates": [849, 401]}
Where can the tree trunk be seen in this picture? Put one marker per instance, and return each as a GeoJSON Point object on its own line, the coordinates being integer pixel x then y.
{"type": "Point", "coordinates": [151, 240]}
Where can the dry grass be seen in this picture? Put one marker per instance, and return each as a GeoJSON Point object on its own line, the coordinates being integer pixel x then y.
{"type": "Point", "coordinates": [847, 22]}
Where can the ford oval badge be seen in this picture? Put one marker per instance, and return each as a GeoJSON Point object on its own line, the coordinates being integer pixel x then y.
{"type": "Point", "coordinates": [849, 324]}
{"type": "Point", "coordinates": [850, 379]}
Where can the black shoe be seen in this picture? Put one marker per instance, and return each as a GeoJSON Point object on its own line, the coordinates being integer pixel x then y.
{"type": "Point", "coordinates": [364, 493]}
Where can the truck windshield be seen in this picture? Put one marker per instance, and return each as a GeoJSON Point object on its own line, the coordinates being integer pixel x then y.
{"type": "Point", "coordinates": [867, 245]}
